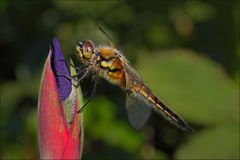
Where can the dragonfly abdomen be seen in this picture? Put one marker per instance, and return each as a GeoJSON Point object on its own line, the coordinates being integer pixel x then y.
{"type": "Point", "coordinates": [160, 107]}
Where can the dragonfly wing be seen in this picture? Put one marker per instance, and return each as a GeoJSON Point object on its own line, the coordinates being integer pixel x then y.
{"type": "Point", "coordinates": [138, 111]}
{"type": "Point", "coordinates": [134, 74]}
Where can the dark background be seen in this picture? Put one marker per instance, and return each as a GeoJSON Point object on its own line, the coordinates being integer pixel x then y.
{"type": "Point", "coordinates": [186, 51]}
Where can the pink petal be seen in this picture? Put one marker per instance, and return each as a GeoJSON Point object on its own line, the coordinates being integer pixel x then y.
{"type": "Point", "coordinates": [57, 138]}
{"type": "Point", "coordinates": [53, 131]}
{"type": "Point", "coordinates": [74, 143]}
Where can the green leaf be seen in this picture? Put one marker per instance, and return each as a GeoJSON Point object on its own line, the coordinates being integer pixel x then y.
{"type": "Point", "coordinates": [217, 143]}
{"type": "Point", "coordinates": [101, 123]}
{"type": "Point", "coordinates": [192, 85]}
{"type": "Point", "coordinates": [199, 11]}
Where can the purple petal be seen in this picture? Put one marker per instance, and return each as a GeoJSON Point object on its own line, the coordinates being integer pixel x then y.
{"type": "Point", "coordinates": [61, 72]}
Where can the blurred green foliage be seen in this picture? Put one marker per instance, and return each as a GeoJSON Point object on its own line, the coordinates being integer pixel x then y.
{"type": "Point", "coordinates": [186, 51]}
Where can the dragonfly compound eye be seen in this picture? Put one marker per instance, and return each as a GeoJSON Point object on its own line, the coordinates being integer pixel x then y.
{"type": "Point", "coordinates": [87, 49]}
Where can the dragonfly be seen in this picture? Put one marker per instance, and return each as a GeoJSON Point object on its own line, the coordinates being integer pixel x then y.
{"type": "Point", "coordinates": [109, 63]}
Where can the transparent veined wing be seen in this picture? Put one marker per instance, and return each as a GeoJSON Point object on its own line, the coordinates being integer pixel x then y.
{"type": "Point", "coordinates": [132, 75]}
{"type": "Point", "coordinates": [145, 100]}
{"type": "Point", "coordinates": [138, 111]}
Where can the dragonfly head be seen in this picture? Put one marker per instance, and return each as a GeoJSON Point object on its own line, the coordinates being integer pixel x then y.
{"type": "Point", "coordinates": [85, 50]}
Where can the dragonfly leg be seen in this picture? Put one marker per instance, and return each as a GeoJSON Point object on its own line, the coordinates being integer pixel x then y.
{"type": "Point", "coordinates": [78, 68]}
{"type": "Point", "coordinates": [74, 78]}
{"type": "Point", "coordinates": [69, 77]}
{"type": "Point", "coordinates": [80, 79]}
{"type": "Point", "coordinates": [93, 93]}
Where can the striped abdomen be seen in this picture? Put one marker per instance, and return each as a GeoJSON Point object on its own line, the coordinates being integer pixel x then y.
{"type": "Point", "coordinates": [144, 92]}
